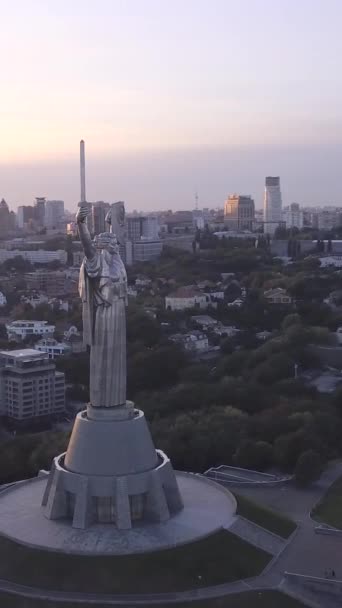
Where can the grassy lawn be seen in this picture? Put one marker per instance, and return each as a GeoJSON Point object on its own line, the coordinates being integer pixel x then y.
{"type": "Point", "coordinates": [220, 558]}
{"type": "Point", "coordinates": [266, 518]}
{"type": "Point", "coordinates": [329, 510]}
{"type": "Point", "coordinates": [250, 599]}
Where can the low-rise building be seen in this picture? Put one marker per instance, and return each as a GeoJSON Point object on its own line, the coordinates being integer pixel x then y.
{"type": "Point", "coordinates": [41, 256]}
{"type": "Point", "coordinates": [57, 304]}
{"type": "Point", "coordinates": [204, 321]}
{"type": "Point", "coordinates": [214, 294]}
{"type": "Point", "coordinates": [226, 331]}
{"type": "Point", "coordinates": [331, 260]}
{"type": "Point", "coordinates": [30, 387]}
{"type": "Point", "coordinates": [186, 297]}
{"type": "Point", "coordinates": [184, 242]}
{"type": "Point", "coordinates": [20, 330]}
{"type": "Point", "coordinates": [53, 283]}
{"type": "Point", "coordinates": [263, 335]}
{"type": "Point", "coordinates": [277, 296]}
{"type": "Point", "coordinates": [34, 299]}
{"type": "Point", "coordinates": [192, 342]}
{"type": "Point", "coordinates": [52, 347]}
{"type": "Point", "coordinates": [131, 291]}
{"type": "Point", "coordinates": [212, 290]}
{"type": "Point", "coordinates": [178, 222]}
{"type": "Point", "coordinates": [143, 282]}
{"type": "Point", "coordinates": [146, 250]}
{"type": "Point", "coordinates": [236, 303]}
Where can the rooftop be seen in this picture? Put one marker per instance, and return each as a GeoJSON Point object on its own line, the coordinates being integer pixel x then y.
{"type": "Point", "coordinates": [187, 291]}
{"type": "Point", "coordinates": [23, 322]}
{"type": "Point", "coordinates": [22, 353]}
{"type": "Point", "coordinates": [206, 319]}
{"type": "Point", "coordinates": [275, 291]}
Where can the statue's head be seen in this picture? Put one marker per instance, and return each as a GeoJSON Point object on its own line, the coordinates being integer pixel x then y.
{"type": "Point", "coordinates": [107, 241]}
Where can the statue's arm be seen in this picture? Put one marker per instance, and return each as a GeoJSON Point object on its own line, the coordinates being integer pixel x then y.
{"type": "Point", "coordinates": [87, 244]}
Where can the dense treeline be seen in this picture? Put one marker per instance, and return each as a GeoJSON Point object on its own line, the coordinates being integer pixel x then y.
{"type": "Point", "coordinates": [245, 408]}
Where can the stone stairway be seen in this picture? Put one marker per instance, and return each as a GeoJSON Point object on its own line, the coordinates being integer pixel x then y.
{"type": "Point", "coordinates": [257, 536]}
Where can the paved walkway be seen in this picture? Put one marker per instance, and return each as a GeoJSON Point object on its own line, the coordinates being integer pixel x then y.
{"type": "Point", "coordinates": [304, 553]}
{"type": "Point", "coordinates": [288, 499]}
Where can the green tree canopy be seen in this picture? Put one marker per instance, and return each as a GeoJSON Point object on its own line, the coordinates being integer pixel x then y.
{"type": "Point", "coordinates": [308, 467]}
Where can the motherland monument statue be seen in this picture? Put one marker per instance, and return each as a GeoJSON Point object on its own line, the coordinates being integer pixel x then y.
{"type": "Point", "coordinates": [103, 291]}
{"type": "Point", "coordinates": [111, 471]}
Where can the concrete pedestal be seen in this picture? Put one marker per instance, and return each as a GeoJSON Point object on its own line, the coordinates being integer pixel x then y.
{"type": "Point", "coordinates": [111, 473]}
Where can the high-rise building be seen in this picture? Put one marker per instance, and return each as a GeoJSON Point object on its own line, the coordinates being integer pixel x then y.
{"type": "Point", "coordinates": [54, 214]}
{"type": "Point", "coordinates": [143, 234]}
{"type": "Point", "coordinates": [142, 226]}
{"type": "Point", "coordinates": [239, 212]}
{"type": "Point", "coordinates": [293, 216]}
{"type": "Point", "coordinates": [99, 211]}
{"type": "Point", "coordinates": [5, 218]}
{"type": "Point", "coordinates": [25, 215]}
{"type": "Point", "coordinates": [30, 387]}
{"type": "Point", "coordinates": [150, 227]}
{"type": "Point", "coordinates": [272, 205]}
{"type": "Point", "coordinates": [134, 228]}
{"type": "Point", "coordinates": [39, 211]}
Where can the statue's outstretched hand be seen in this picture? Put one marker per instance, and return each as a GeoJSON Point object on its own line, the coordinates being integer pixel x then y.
{"type": "Point", "coordinates": [82, 213]}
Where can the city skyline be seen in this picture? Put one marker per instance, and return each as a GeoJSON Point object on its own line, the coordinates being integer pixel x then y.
{"type": "Point", "coordinates": [171, 99]}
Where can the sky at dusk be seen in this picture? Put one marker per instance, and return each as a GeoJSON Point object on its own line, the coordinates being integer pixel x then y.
{"type": "Point", "coordinates": [170, 97]}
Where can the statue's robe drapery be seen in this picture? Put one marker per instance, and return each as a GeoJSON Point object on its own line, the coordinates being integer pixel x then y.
{"type": "Point", "coordinates": [103, 290]}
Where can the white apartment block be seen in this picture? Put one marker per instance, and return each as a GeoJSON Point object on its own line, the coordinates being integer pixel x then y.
{"type": "Point", "coordinates": [186, 297]}
{"type": "Point", "coordinates": [293, 216]}
{"type": "Point", "coordinates": [331, 260]}
{"type": "Point", "coordinates": [51, 347]}
{"type": "Point", "coordinates": [30, 387]}
{"type": "Point", "coordinates": [19, 330]}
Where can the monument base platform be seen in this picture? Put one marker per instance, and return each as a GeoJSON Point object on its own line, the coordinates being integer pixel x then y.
{"type": "Point", "coordinates": [111, 473]}
{"type": "Point", "coordinates": [208, 507]}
